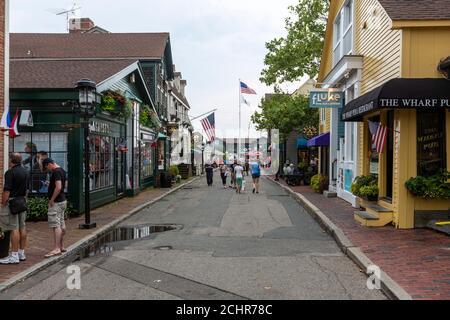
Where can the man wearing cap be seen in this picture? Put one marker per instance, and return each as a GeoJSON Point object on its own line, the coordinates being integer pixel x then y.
{"type": "Point", "coordinates": [57, 205]}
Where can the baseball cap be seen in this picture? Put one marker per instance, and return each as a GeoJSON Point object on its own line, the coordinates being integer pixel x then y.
{"type": "Point", "coordinates": [47, 161]}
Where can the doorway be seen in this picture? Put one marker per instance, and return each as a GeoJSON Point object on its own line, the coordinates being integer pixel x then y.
{"type": "Point", "coordinates": [389, 155]}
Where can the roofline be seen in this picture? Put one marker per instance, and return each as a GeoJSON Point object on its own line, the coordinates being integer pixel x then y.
{"type": "Point", "coordinates": [399, 24]}
{"type": "Point", "coordinates": [86, 59]}
{"type": "Point", "coordinates": [173, 94]}
{"type": "Point", "coordinates": [107, 83]}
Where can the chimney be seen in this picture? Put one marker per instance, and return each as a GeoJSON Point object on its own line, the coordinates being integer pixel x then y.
{"type": "Point", "coordinates": [80, 25]}
{"type": "Point", "coordinates": [183, 84]}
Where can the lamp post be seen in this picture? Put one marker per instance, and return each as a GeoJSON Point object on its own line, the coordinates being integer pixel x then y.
{"type": "Point", "coordinates": [203, 158]}
{"type": "Point", "coordinates": [85, 107]}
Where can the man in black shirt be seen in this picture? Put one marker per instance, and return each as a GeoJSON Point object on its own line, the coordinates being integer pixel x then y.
{"type": "Point", "coordinates": [57, 205]}
{"type": "Point", "coordinates": [16, 182]}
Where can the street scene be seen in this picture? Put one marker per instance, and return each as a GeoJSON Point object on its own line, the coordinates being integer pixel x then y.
{"type": "Point", "coordinates": [225, 151]}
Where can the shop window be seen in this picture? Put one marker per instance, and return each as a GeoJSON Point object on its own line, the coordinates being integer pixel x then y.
{"type": "Point", "coordinates": [374, 156]}
{"type": "Point", "coordinates": [146, 160]}
{"type": "Point", "coordinates": [431, 156]}
{"type": "Point", "coordinates": [101, 150]}
{"type": "Point", "coordinates": [29, 144]}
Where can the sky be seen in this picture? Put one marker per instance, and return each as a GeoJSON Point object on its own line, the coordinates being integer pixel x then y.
{"type": "Point", "coordinates": [214, 44]}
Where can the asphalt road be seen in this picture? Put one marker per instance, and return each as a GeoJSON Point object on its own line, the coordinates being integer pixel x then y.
{"type": "Point", "coordinates": [229, 247]}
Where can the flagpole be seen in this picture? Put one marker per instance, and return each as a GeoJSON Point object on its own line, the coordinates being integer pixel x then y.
{"type": "Point", "coordinates": [239, 145]}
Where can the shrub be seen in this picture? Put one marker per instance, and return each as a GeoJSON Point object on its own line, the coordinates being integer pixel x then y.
{"type": "Point", "coordinates": [37, 209]}
{"type": "Point", "coordinates": [319, 183]}
{"type": "Point", "coordinates": [370, 191]}
{"type": "Point", "coordinates": [179, 178]}
{"type": "Point", "coordinates": [174, 171]}
{"type": "Point", "coordinates": [362, 181]}
{"type": "Point", "coordinates": [434, 187]}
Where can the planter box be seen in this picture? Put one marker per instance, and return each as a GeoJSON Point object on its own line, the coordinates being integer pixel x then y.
{"type": "Point", "coordinates": [4, 245]}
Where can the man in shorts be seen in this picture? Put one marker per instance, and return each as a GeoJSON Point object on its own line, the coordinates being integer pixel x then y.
{"type": "Point", "coordinates": [16, 185]}
{"type": "Point", "coordinates": [57, 205]}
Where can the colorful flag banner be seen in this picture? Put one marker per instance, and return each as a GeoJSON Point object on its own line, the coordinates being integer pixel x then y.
{"type": "Point", "coordinates": [246, 89]}
{"type": "Point", "coordinates": [209, 124]}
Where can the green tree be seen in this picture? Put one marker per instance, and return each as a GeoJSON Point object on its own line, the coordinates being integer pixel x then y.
{"type": "Point", "coordinates": [299, 53]}
{"type": "Point", "coordinates": [285, 113]}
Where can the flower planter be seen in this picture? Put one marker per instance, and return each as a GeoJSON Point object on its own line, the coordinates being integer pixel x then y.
{"type": "Point", "coordinates": [370, 198]}
{"type": "Point", "coordinates": [4, 245]}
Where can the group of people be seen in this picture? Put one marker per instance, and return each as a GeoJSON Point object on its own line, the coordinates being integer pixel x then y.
{"type": "Point", "coordinates": [237, 172]}
{"type": "Point", "coordinates": [13, 207]}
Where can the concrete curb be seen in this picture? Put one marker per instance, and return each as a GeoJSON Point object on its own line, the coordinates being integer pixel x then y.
{"type": "Point", "coordinates": [389, 287]}
{"type": "Point", "coordinates": [85, 241]}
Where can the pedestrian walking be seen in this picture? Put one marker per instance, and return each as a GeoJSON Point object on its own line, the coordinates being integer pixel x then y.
{"type": "Point", "coordinates": [57, 205]}
{"type": "Point", "coordinates": [238, 170]}
{"type": "Point", "coordinates": [256, 174]}
{"type": "Point", "coordinates": [14, 210]}
{"type": "Point", "coordinates": [233, 175]}
{"type": "Point", "coordinates": [209, 174]}
{"type": "Point", "coordinates": [224, 174]}
{"type": "Point", "coordinates": [247, 168]}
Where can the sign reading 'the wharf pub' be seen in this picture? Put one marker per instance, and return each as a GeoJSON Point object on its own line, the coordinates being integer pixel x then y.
{"type": "Point", "coordinates": [326, 99]}
{"type": "Point", "coordinates": [415, 103]}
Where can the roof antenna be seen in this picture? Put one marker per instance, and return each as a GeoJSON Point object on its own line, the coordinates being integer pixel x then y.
{"type": "Point", "coordinates": [70, 13]}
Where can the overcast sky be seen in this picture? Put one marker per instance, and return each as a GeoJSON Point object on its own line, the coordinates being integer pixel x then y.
{"type": "Point", "coordinates": [214, 42]}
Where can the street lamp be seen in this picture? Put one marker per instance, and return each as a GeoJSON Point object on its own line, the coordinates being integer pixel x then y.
{"type": "Point", "coordinates": [85, 107]}
{"type": "Point", "coordinates": [203, 158]}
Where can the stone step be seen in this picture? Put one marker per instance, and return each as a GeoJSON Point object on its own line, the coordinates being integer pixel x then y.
{"type": "Point", "coordinates": [377, 208]}
{"type": "Point", "coordinates": [366, 215]}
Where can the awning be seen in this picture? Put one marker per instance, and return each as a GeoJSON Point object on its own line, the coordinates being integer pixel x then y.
{"type": "Point", "coordinates": [302, 143]}
{"type": "Point", "coordinates": [322, 140]}
{"type": "Point", "coordinates": [420, 94]}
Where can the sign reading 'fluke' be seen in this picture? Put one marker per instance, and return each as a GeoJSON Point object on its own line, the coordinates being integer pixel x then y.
{"type": "Point", "coordinates": [326, 99]}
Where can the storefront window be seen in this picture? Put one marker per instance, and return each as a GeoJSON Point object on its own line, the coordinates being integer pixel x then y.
{"type": "Point", "coordinates": [101, 150]}
{"type": "Point", "coordinates": [146, 160]}
{"type": "Point", "coordinates": [430, 143]}
{"type": "Point", "coordinates": [54, 144]}
{"type": "Point", "coordinates": [374, 156]}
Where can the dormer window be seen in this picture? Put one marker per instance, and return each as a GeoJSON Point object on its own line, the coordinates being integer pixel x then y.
{"type": "Point", "coordinates": [343, 33]}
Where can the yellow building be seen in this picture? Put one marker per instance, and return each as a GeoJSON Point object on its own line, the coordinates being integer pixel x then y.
{"type": "Point", "coordinates": [393, 48]}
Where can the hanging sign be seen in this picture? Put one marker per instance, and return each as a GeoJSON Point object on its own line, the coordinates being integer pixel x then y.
{"type": "Point", "coordinates": [26, 119]}
{"type": "Point", "coordinates": [326, 99]}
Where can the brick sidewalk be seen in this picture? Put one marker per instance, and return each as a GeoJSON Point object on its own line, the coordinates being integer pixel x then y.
{"type": "Point", "coordinates": [40, 237]}
{"type": "Point", "coordinates": [418, 259]}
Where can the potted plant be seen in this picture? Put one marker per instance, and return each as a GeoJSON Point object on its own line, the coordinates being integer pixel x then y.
{"type": "Point", "coordinates": [366, 187]}
{"type": "Point", "coordinates": [319, 183]}
{"type": "Point", "coordinates": [4, 243]}
{"type": "Point", "coordinates": [434, 187]}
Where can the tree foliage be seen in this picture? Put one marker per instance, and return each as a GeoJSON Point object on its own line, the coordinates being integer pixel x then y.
{"type": "Point", "coordinates": [285, 113]}
{"type": "Point", "coordinates": [299, 53]}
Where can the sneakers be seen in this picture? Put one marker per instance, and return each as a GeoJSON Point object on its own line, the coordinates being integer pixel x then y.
{"type": "Point", "coordinates": [254, 190]}
{"type": "Point", "coordinates": [10, 260]}
{"type": "Point", "coordinates": [22, 256]}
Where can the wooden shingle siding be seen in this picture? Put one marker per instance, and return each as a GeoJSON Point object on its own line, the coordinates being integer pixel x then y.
{"type": "Point", "coordinates": [378, 43]}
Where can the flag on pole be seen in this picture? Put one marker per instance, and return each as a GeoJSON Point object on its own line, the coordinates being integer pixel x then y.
{"type": "Point", "coordinates": [244, 101]}
{"type": "Point", "coordinates": [379, 135]}
{"type": "Point", "coordinates": [13, 131]}
{"type": "Point", "coordinates": [209, 124]}
{"type": "Point", "coordinates": [5, 124]}
{"type": "Point", "coordinates": [245, 89]}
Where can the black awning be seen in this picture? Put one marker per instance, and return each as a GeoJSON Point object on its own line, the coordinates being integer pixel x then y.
{"type": "Point", "coordinates": [421, 94]}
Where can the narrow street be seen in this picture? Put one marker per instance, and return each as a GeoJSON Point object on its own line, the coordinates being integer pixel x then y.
{"type": "Point", "coordinates": [228, 246]}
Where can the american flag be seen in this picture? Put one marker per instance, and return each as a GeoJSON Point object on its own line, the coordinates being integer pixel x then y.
{"type": "Point", "coordinates": [209, 125]}
{"type": "Point", "coordinates": [245, 89]}
{"type": "Point", "coordinates": [379, 135]}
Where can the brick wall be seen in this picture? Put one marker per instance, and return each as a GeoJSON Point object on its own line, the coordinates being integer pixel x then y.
{"type": "Point", "coordinates": [2, 81]}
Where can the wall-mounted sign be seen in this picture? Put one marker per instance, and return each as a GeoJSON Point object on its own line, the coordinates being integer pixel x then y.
{"type": "Point", "coordinates": [326, 99]}
{"type": "Point", "coordinates": [99, 127]}
{"type": "Point", "coordinates": [26, 119]}
{"type": "Point", "coordinates": [148, 137]}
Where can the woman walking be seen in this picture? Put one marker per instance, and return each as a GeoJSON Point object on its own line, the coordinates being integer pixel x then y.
{"type": "Point", "coordinates": [224, 174]}
{"type": "Point", "coordinates": [256, 174]}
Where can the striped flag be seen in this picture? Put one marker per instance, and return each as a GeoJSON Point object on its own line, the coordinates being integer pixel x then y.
{"type": "Point", "coordinates": [379, 135]}
{"type": "Point", "coordinates": [245, 89]}
{"type": "Point", "coordinates": [209, 125]}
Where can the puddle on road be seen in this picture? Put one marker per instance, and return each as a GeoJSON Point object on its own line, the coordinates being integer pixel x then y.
{"type": "Point", "coordinates": [105, 243]}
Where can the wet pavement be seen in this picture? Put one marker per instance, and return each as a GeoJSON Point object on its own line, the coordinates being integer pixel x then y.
{"type": "Point", "coordinates": [218, 245]}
